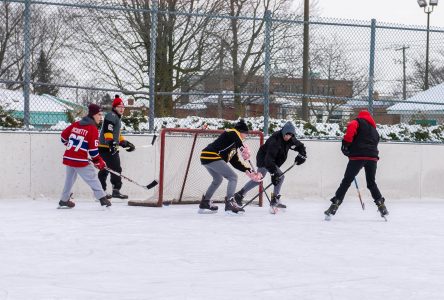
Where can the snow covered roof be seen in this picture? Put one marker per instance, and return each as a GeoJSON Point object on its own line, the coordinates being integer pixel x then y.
{"type": "Point", "coordinates": [14, 100]}
{"type": "Point", "coordinates": [432, 95]}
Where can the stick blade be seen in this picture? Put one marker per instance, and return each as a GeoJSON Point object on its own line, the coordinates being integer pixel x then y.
{"type": "Point", "coordinates": [152, 184]}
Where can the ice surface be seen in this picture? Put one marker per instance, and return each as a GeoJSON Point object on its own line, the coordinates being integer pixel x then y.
{"type": "Point", "coordinates": [175, 253]}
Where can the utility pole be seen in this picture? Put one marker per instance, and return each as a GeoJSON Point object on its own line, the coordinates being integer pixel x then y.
{"type": "Point", "coordinates": [305, 61]}
{"type": "Point", "coordinates": [404, 80]}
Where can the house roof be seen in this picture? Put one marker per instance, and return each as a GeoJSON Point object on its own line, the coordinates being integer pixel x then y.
{"type": "Point", "coordinates": [428, 97]}
{"type": "Point", "coordinates": [14, 100]}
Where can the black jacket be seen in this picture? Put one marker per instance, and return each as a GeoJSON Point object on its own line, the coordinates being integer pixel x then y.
{"type": "Point", "coordinates": [273, 153]}
{"type": "Point", "coordinates": [225, 148]}
{"type": "Point", "coordinates": [365, 142]}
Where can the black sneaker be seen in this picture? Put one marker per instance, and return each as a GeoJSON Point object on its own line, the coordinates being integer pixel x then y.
{"type": "Point", "coordinates": [105, 202]}
{"type": "Point", "coordinates": [381, 207]}
{"type": "Point", "coordinates": [238, 197]}
{"type": "Point", "coordinates": [232, 207]}
{"type": "Point", "coordinates": [117, 194]}
{"type": "Point", "coordinates": [207, 207]}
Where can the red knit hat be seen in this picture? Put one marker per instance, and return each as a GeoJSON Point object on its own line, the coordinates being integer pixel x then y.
{"type": "Point", "coordinates": [117, 101]}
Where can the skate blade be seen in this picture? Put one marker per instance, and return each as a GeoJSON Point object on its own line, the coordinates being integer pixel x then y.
{"type": "Point", "coordinates": [273, 210]}
{"type": "Point", "coordinates": [206, 211]}
{"type": "Point", "coordinates": [64, 207]}
{"type": "Point", "coordinates": [327, 218]}
{"type": "Point", "coordinates": [232, 213]}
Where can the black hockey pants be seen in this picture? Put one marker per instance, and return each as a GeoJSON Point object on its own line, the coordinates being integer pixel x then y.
{"type": "Point", "coordinates": [112, 162]}
{"type": "Point", "coordinates": [353, 168]}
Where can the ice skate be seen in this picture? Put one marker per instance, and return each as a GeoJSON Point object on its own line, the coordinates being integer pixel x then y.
{"type": "Point", "coordinates": [105, 202]}
{"type": "Point", "coordinates": [382, 208]}
{"type": "Point", "coordinates": [66, 204]}
{"type": "Point", "coordinates": [239, 197]}
{"type": "Point", "coordinates": [207, 207]}
{"type": "Point", "coordinates": [231, 207]}
{"type": "Point", "coordinates": [276, 202]}
{"type": "Point", "coordinates": [117, 194]}
{"type": "Point", "coordinates": [331, 211]}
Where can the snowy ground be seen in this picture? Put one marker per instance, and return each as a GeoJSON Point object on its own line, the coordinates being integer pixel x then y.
{"type": "Point", "coordinates": [174, 253]}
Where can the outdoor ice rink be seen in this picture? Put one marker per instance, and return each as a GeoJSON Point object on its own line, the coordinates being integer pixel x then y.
{"type": "Point", "coordinates": [175, 253]}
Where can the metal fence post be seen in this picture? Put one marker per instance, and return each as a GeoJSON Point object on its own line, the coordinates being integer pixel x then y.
{"type": "Point", "coordinates": [371, 76]}
{"type": "Point", "coordinates": [152, 67]}
{"type": "Point", "coordinates": [27, 54]}
{"type": "Point", "coordinates": [267, 72]}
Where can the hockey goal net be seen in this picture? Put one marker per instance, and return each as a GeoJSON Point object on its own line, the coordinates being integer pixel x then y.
{"type": "Point", "coordinates": [182, 178]}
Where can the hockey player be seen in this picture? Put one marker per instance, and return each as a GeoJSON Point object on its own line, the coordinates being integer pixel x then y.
{"type": "Point", "coordinates": [215, 158]}
{"type": "Point", "coordinates": [270, 158]}
{"type": "Point", "coordinates": [110, 140]}
{"type": "Point", "coordinates": [81, 140]}
{"type": "Point", "coordinates": [360, 145]}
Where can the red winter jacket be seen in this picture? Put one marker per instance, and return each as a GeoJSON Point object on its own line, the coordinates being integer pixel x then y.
{"type": "Point", "coordinates": [81, 139]}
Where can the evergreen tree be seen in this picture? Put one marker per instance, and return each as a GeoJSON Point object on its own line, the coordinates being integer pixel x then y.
{"type": "Point", "coordinates": [8, 121]}
{"type": "Point", "coordinates": [44, 74]}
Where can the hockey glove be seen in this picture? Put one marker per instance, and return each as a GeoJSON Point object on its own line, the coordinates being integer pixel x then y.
{"type": "Point", "coordinates": [275, 178]}
{"type": "Point", "coordinates": [345, 148]}
{"type": "Point", "coordinates": [245, 151]}
{"type": "Point", "coordinates": [300, 159]}
{"type": "Point", "coordinates": [113, 147]}
{"type": "Point", "coordinates": [255, 176]}
{"type": "Point", "coordinates": [99, 163]}
{"type": "Point", "coordinates": [128, 145]}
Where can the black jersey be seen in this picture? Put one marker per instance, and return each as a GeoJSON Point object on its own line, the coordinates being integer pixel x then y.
{"type": "Point", "coordinates": [225, 148]}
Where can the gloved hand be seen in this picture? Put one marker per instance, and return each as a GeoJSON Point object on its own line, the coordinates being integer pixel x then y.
{"type": "Point", "coordinates": [255, 176]}
{"type": "Point", "coordinates": [276, 178]}
{"type": "Point", "coordinates": [113, 147]}
{"type": "Point", "coordinates": [99, 163]}
{"type": "Point", "coordinates": [126, 144]}
{"type": "Point", "coordinates": [245, 151]}
{"type": "Point", "coordinates": [300, 159]}
{"type": "Point", "coordinates": [345, 148]}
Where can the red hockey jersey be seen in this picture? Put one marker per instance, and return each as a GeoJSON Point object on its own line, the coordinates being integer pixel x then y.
{"type": "Point", "coordinates": [81, 139]}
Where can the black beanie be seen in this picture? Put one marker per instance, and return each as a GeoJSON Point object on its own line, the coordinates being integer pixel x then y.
{"type": "Point", "coordinates": [93, 109]}
{"type": "Point", "coordinates": [241, 126]}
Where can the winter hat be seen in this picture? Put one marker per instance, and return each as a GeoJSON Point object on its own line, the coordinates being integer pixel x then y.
{"type": "Point", "coordinates": [117, 101]}
{"type": "Point", "coordinates": [93, 109]}
{"type": "Point", "coordinates": [241, 126]}
{"type": "Point", "coordinates": [288, 129]}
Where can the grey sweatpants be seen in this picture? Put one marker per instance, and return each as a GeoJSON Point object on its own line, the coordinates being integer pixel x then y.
{"type": "Point", "coordinates": [88, 174]}
{"type": "Point", "coordinates": [251, 184]}
{"type": "Point", "coordinates": [219, 169]}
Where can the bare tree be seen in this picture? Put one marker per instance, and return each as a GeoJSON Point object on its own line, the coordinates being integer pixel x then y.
{"type": "Point", "coordinates": [247, 43]}
{"type": "Point", "coordinates": [436, 72]}
{"type": "Point", "coordinates": [47, 34]}
{"type": "Point", "coordinates": [116, 47]}
{"type": "Point", "coordinates": [334, 67]}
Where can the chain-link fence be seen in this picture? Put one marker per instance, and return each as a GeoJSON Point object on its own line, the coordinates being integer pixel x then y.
{"type": "Point", "coordinates": [203, 59]}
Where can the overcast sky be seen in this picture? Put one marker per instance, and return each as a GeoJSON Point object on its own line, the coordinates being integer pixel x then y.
{"type": "Point", "coordinates": [393, 11]}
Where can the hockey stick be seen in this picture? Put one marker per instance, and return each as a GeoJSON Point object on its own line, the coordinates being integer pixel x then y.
{"type": "Point", "coordinates": [359, 194]}
{"type": "Point", "coordinates": [152, 142]}
{"type": "Point", "coordinates": [264, 189]}
{"type": "Point", "coordinates": [148, 186]}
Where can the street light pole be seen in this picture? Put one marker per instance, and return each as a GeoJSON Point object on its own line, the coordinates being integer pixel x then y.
{"type": "Point", "coordinates": [428, 9]}
{"type": "Point", "coordinates": [426, 79]}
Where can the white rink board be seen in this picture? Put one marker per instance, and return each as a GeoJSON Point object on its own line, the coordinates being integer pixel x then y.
{"type": "Point", "coordinates": [32, 168]}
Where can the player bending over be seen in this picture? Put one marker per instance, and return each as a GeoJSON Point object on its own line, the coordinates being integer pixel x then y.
{"type": "Point", "coordinates": [215, 158]}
